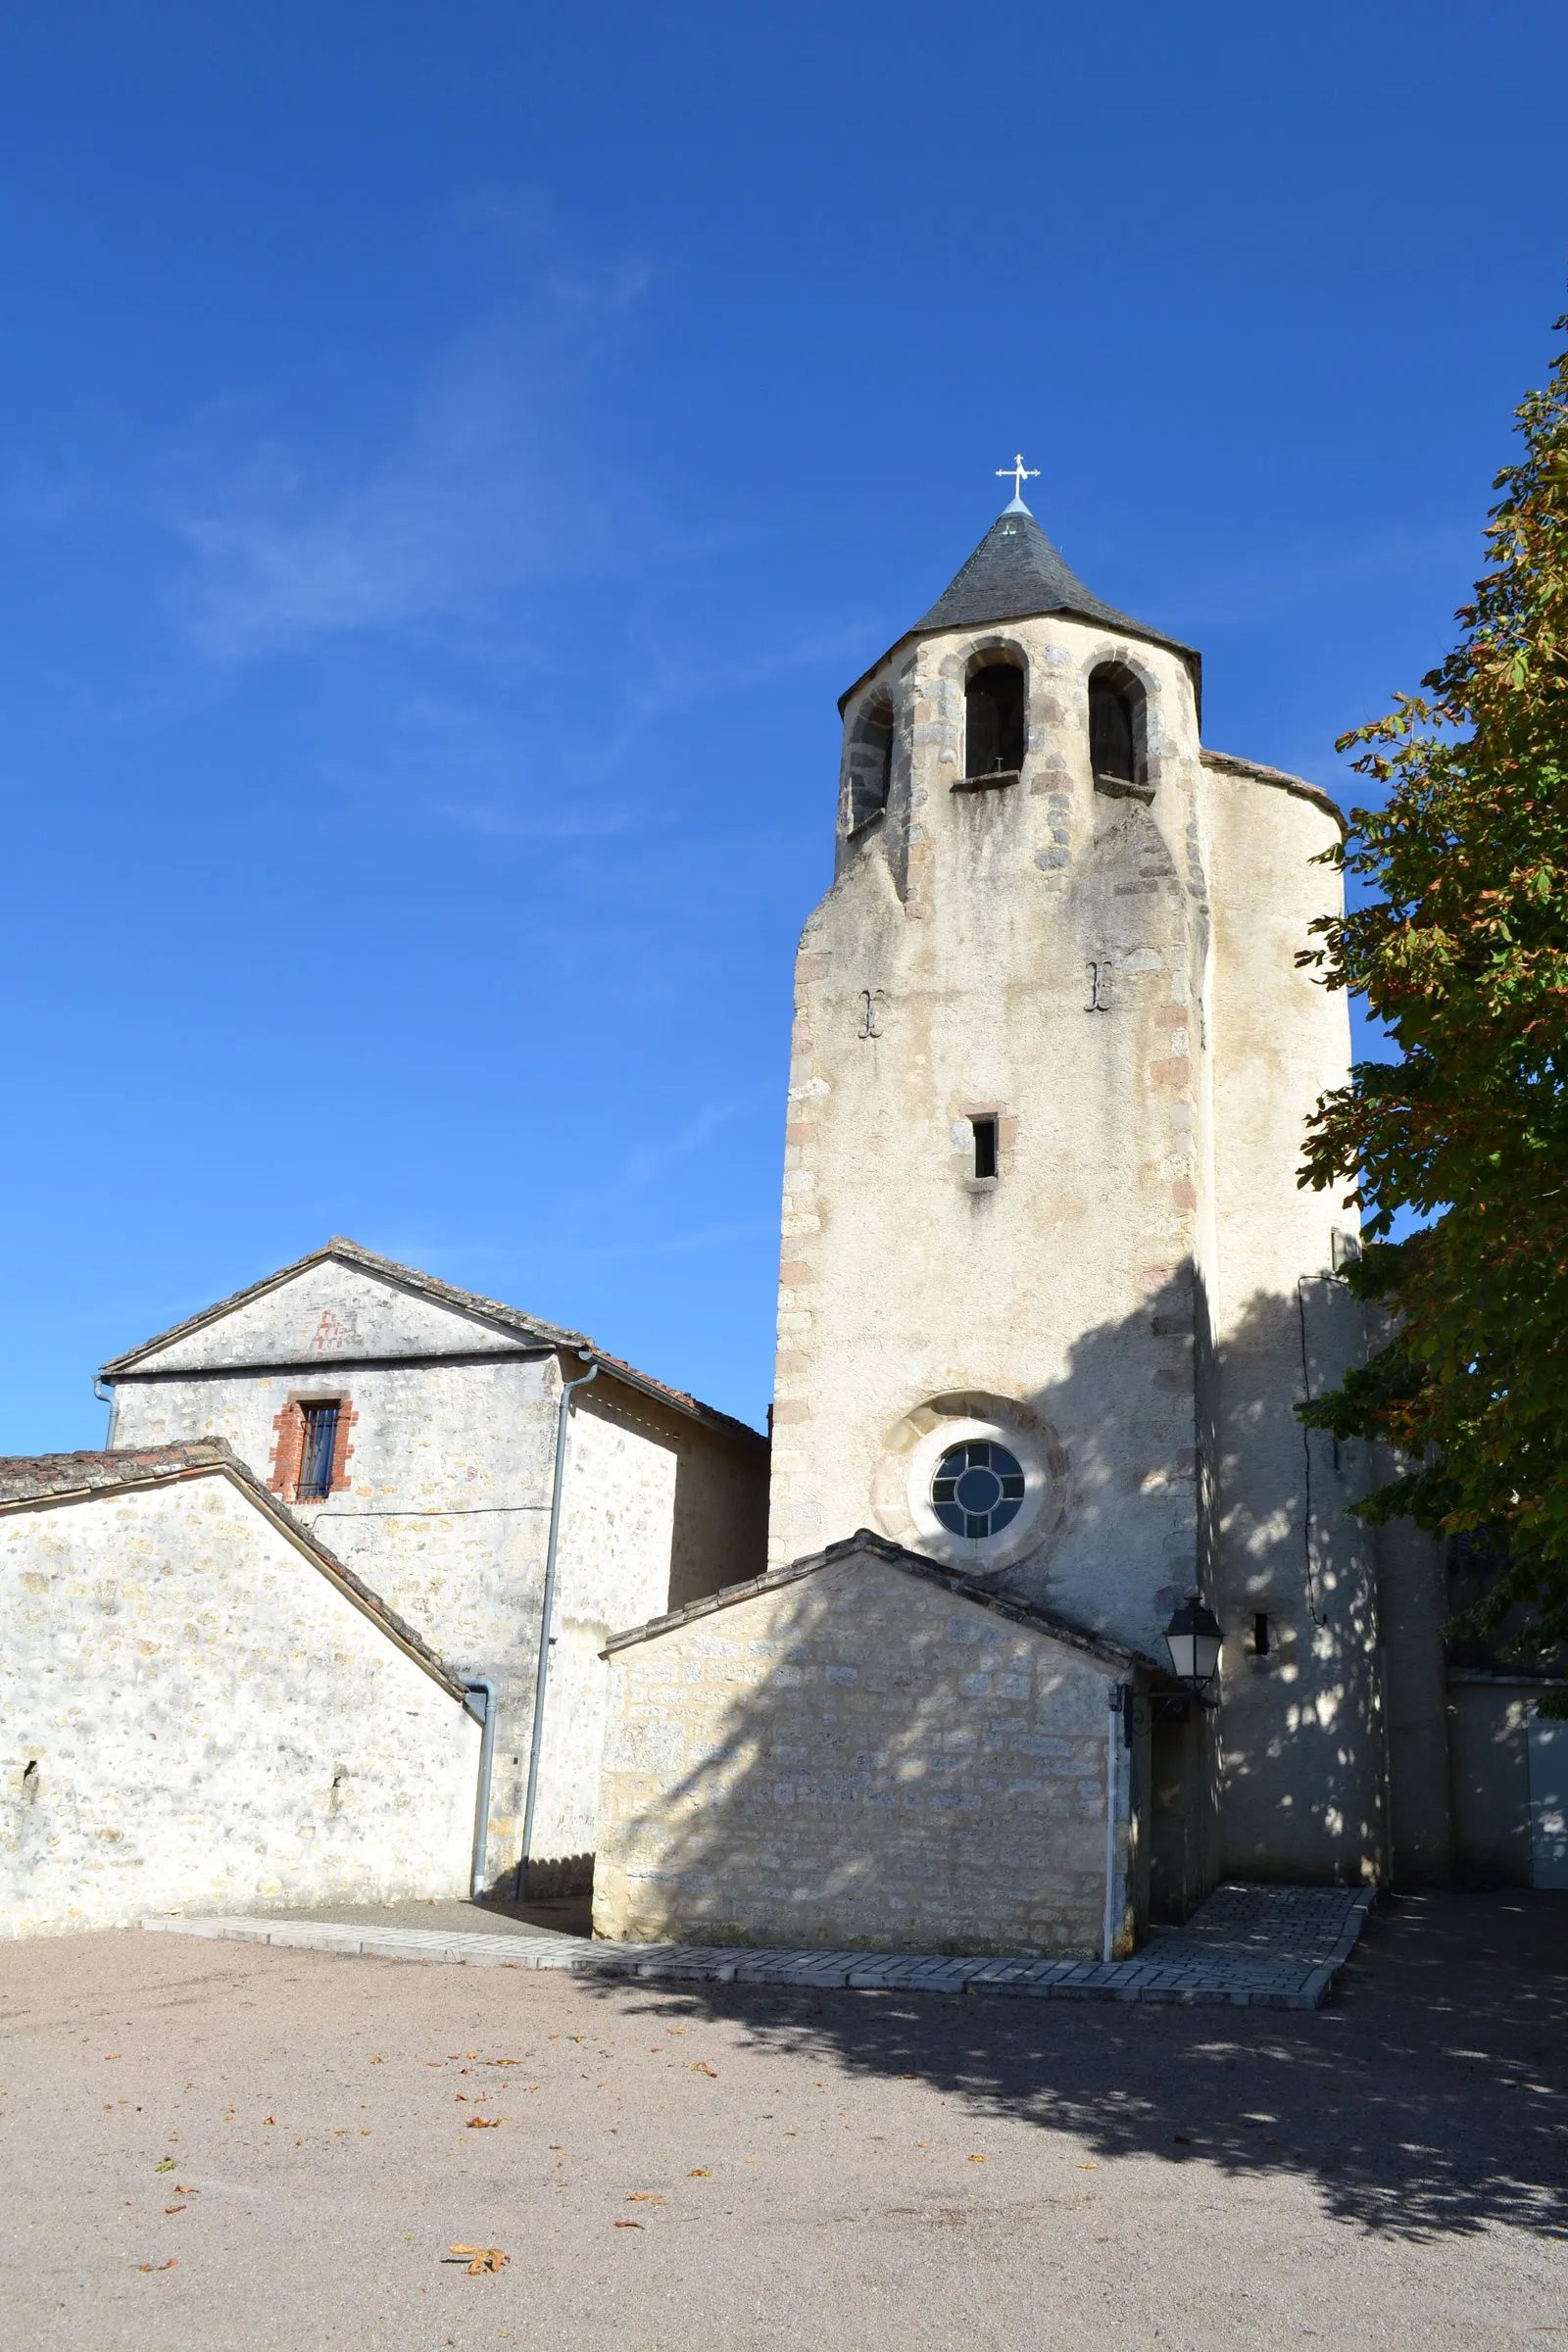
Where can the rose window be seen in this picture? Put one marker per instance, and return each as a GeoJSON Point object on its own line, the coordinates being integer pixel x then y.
{"type": "Point", "coordinates": [978, 1488]}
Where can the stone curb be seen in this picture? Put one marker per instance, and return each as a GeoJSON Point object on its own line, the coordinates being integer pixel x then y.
{"type": "Point", "coordinates": [1164, 1972]}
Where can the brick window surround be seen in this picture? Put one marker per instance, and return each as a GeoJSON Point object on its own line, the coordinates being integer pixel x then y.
{"type": "Point", "coordinates": [287, 1456]}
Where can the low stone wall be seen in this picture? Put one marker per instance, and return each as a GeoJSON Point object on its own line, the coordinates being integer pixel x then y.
{"type": "Point", "coordinates": [193, 1718]}
{"type": "Point", "coordinates": [857, 1757]}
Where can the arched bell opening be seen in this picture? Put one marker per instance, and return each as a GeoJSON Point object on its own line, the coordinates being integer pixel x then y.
{"type": "Point", "coordinates": [870, 761]}
{"type": "Point", "coordinates": [1118, 732]}
{"type": "Point", "coordinates": [995, 728]}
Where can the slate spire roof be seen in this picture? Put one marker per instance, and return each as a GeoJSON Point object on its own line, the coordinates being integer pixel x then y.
{"type": "Point", "coordinates": [1015, 572]}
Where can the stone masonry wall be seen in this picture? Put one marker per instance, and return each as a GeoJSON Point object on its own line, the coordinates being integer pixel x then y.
{"type": "Point", "coordinates": [858, 1758]}
{"type": "Point", "coordinates": [1301, 1728]}
{"type": "Point", "coordinates": [194, 1718]}
{"type": "Point", "coordinates": [1034, 952]}
{"type": "Point", "coordinates": [1135, 1302]}
{"type": "Point", "coordinates": [446, 1507]}
{"type": "Point", "coordinates": [445, 1515]}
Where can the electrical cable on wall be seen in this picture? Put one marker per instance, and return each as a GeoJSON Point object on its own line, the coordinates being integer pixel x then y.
{"type": "Point", "coordinates": [457, 1510]}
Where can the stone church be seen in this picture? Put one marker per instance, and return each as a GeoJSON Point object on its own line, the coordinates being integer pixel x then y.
{"type": "Point", "coordinates": [382, 1588]}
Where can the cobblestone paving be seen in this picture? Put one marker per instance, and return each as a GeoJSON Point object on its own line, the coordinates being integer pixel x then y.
{"type": "Point", "coordinates": [1249, 1946]}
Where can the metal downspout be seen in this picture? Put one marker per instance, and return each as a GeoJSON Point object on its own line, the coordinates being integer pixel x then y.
{"type": "Point", "coordinates": [113, 1402]}
{"type": "Point", "coordinates": [1118, 1695]}
{"type": "Point", "coordinates": [547, 1611]}
{"type": "Point", "coordinates": [486, 1716]}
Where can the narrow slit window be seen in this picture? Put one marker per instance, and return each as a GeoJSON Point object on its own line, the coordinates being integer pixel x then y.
{"type": "Point", "coordinates": [994, 722]}
{"type": "Point", "coordinates": [316, 1453]}
{"type": "Point", "coordinates": [1260, 1642]}
{"type": "Point", "coordinates": [985, 1148]}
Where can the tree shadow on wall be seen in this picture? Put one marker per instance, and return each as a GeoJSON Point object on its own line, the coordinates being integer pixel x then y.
{"type": "Point", "coordinates": [1166, 1422]}
{"type": "Point", "coordinates": [871, 1761]}
{"type": "Point", "coordinates": [1426, 2101]}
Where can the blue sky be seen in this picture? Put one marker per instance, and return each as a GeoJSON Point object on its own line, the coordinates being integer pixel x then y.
{"type": "Point", "coordinates": [451, 460]}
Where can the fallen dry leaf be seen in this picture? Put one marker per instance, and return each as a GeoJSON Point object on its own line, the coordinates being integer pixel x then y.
{"type": "Point", "coordinates": [485, 2257]}
{"type": "Point", "coordinates": [977, 2160]}
{"type": "Point", "coordinates": [180, 2191]}
{"type": "Point", "coordinates": [174, 2209]}
{"type": "Point", "coordinates": [628, 2224]}
{"type": "Point", "coordinates": [173, 2264]}
{"type": "Point", "coordinates": [645, 2196]}
{"type": "Point", "coordinates": [702, 2067]}
{"type": "Point", "coordinates": [483, 2123]}
{"type": "Point", "coordinates": [1089, 2168]}
{"type": "Point", "coordinates": [269, 2119]}
{"type": "Point", "coordinates": [166, 2166]}
{"type": "Point", "coordinates": [700, 2171]}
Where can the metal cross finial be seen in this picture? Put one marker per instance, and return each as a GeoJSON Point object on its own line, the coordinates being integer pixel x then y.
{"type": "Point", "coordinates": [1021, 473]}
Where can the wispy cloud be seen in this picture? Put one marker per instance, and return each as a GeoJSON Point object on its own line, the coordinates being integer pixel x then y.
{"type": "Point", "coordinates": [498, 823]}
{"type": "Point", "coordinates": [654, 1160]}
{"type": "Point", "coordinates": [483, 486]}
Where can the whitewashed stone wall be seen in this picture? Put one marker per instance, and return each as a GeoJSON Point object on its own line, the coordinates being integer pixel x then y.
{"type": "Point", "coordinates": [193, 1718]}
{"type": "Point", "coordinates": [1064, 1289]}
{"type": "Point", "coordinates": [858, 1757]}
{"type": "Point", "coordinates": [614, 1559]}
{"type": "Point", "coordinates": [1116, 984]}
{"type": "Point", "coordinates": [1301, 1727]}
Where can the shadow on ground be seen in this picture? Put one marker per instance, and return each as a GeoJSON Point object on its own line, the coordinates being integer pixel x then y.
{"type": "Point", "coordinates": [490, 1914]}
{"type": "Point", "coordinates": [1428, 2098]}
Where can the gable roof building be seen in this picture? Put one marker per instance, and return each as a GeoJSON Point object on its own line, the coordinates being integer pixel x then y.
{"type": "Point", "coordinates": [185, 1345]}
{"type": "Point", "coordinates": [868, 1749]}
{"type": "Point", "coordinates": [467, 1460]}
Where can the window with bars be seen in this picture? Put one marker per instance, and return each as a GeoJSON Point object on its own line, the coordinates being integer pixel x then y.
{"type": "Point", "coordinates": [317, 1451]}
{"type": "Point", "coordinates": [310, 1457]}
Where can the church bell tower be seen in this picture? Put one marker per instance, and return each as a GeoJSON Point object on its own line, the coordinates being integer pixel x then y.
{"type": "Point", "coordinates": [1049, 1289]}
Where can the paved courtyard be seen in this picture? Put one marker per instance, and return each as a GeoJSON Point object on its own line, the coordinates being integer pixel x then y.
{"type": "Point", "coordinates": [1270, 1947]}
{"type": "Point", "coordinates": [234, 2145]}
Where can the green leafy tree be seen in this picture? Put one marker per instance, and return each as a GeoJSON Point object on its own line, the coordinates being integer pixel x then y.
{"type": "Point", "coordinates": [1460, 948]}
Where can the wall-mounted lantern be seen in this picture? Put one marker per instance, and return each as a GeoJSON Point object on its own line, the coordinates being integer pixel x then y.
{"type": "Point", "coordinates": [1192, 1637]}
